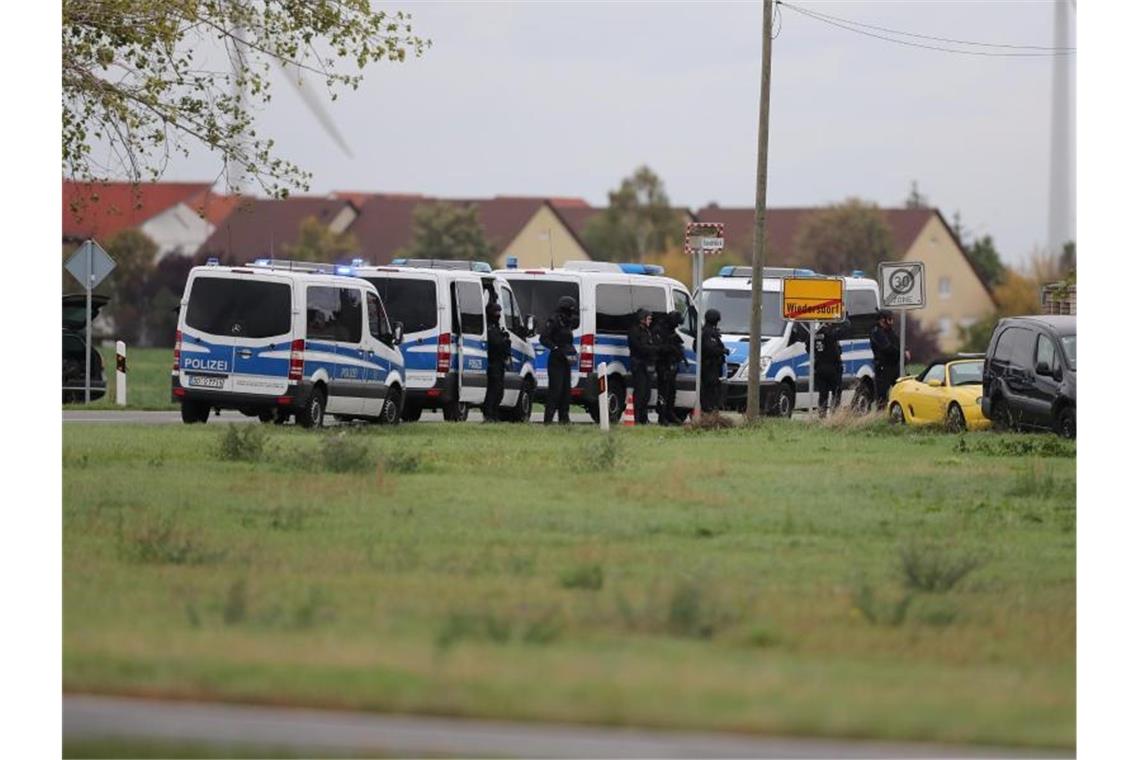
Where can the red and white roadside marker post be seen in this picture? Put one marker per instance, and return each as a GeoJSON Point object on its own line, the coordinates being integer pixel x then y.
{"type": "Point", "coordinates": [120, 373]}
{"type": "Point", "coordinates": [603, 397]}
{"type": "Point", "coordinates": [701, 238]}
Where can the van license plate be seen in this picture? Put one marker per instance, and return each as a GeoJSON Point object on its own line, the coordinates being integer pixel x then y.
{"type": "Point", "coordinates": [207, 381]}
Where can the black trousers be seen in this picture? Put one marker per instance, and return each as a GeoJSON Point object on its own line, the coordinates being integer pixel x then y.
{"type": "Point", "coordinates": [829, 387]}
{"type": "Point", "coordinates": [710, 392]}
{"type": "Point", "coordinates": [558, 390]}
{"type": "Point", "coordinates": [641, 388]}
{"type": "Point", "coordinates": [885, 377]}
{"type": "Point", "coordinates": [494, 398]}
{"type": "Point", "coordinates": [667, 392]}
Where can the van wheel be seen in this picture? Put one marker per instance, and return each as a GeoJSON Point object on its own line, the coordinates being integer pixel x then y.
{"type": "Point", "coordinates": [616, 398]}
{"type": "Point", "coordinates": [1066, 425]}
{"type": "Point", "coordinates": [393, 407]}
{"type": "Point", "coordinates": [785, 402]}
{"type": "Point", "coordinates": [897, 416]}
{"type": "Point", "coordinates": [312, 412]}
{"type": "Point", "coordinates": [521, 412]}
{"type": "Point", "coordinates": [195, 411]}
{"type": "Point", "coordinates": [955, 419]}
{"type": "Point", "coordinates": [411, 412]}
{"type": "Point", "coordinates": [281, 416]}
{"type": "Point", "coordinates": [455, 411]}
{"type": "Point", "coordinates": [864, 398]}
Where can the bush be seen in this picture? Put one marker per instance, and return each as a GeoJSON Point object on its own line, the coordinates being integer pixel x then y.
{"type": "Point", "coordinates": [163, 542]}
{"type": "Point", "coordinates": [878, 612]}
{"type": "Point", "coordinates": [242, 442]}
{"type": "Point", "coordinates": [341, 452]}
{"type": "Point", "coordinates": [402, 461]}
{"type": "Point", "coordinates": [600, 454]}
{"type": "Point", "coordinates": [928, 567]}
{"type": "Point", "coordinates": [584, 576]}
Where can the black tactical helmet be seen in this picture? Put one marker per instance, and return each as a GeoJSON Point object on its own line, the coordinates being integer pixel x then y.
{"type": "Point", "coordinates": [712, 317]}
{"type": "Point", "coordinates": [567, 304]}
{"type": "Point", "coordinates": [642, 314]}
{"type": "Point", "coordinates": [884, 314]}
{"type": "Point", "coordinates": [494, 309]}
{"type": "Point", "coordinates": [675, 319]}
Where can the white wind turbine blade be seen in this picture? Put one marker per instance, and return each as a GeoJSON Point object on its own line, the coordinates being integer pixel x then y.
{"type": "Point", "coordinates": [309, 95]}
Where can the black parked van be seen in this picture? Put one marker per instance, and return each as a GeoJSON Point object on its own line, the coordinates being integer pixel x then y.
{"type": "Point", "coordinates": [1030, 375]}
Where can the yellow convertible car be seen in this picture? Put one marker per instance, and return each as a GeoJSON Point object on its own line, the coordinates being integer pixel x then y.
{"type": "Point", "coordinates": [948, 392]}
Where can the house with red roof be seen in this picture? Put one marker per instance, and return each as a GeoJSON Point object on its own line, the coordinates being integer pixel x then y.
{"type": "Point", "coordinates": [264, 227]}
{"type": "Point", "coordinates": [956, 294]}
{"type": "Point", "coordinates": [177, 216]}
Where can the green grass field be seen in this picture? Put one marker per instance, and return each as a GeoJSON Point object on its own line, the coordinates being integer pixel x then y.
{"type": "Point", "coordinates": [857, 581]}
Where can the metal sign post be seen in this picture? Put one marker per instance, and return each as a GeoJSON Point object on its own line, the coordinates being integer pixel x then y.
{"type": "Point", "coordinates": [701, 237]}
{"type": "Point", "coordinates": [903, 285]}
{"type": "Point", "coordinates": [90, 264]}
{"type": "Point", "coordinates": [811, 367]}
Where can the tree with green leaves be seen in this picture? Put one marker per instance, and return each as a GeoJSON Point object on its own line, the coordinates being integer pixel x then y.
{"type": "Point", "coordinates": [447, 231]}
{"type": "Point", "coordinates": [147, 79]}
{"type": "Point", "coordinates": [984, 256]}
{"type": "Point", "coordinates": [637, 222]}
{"type": "Point", "coordinates": [131, 294]}
{"type": "Point", "coordinates": [842, 237]}
{"type": "Point", "coordinates": [316, 242]}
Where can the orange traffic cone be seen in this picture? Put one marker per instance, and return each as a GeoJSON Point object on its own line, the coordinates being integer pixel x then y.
{"type": "Point", "coordinates": [627, 416]}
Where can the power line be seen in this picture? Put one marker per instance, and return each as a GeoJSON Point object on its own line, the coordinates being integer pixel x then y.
{"type": "Point", "coordinates": [1022, 51]}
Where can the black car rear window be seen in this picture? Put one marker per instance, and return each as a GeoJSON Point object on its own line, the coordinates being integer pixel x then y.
{"type": "Point", "coordinates": [412, 302]}
{"type": "Point", "coordinates": [239, 308]}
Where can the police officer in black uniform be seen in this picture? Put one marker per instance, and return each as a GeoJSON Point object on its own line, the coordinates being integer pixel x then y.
{"type": "Point", "coordinates": [670, 357]}
{"type": "Point", "coordinates": [558, 338]}
{"type": "Point", "coordinates": [885, 349]}
{"type": "Point", "coordinates": [829, 365]}
{"type": "Point", "coordinates": [498, 355]}
{"type": "Point", "coordinates": [643, 353]}
{"type": "Point", "coordinates": [713, 354]}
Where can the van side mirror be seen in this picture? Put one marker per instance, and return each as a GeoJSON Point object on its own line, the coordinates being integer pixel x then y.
{"type": "Point", "coordinates": [529, 325]}
{"type": "Point", "coordinates": [398, 333]}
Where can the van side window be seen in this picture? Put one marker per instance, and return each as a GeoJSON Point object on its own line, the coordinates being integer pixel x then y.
{"type": "Point", "coordinates": [377, 319]}
{"type": "Point", "coordinates": [408, 300]}
{"type": "Point", "coordinates": [681, 303]}
{"type": "Point", "coordinates": [511, 312]}
{"type": "Point", "coordinates": [334, 313]}
{"type": "Point", "coordinates": [651, 298]}
{"type": "Point", "coordinates": [470, 301]}
{"type": "Point", "coordinates": [615, 309]}
{"type": "Point", "coordinates": [1046, 353]}
{"type": "Point", "coordinates": [1015, 347]}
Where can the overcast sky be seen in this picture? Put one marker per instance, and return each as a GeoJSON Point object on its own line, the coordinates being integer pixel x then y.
{"type": "Point", "coordinates": [566, 99]}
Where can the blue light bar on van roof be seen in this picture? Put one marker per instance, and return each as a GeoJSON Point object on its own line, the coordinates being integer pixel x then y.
{"type": "Point", "coordinates": [398, 262]}
{"type": "Point", "coordinates": [343, 269]}
{"type": "Point", "coordinates": [512, 262]}
{"type": "Point", "coordinates": [211, 262]}
{"type": "Point", "coordinates": [779, 272]}
{"type": "Point", "coordinates": [630, 268]}
{"type": "Point", "coordinates": [261, 263]}
{"type": "Point", "coordinates": [857, 273]}
{"type": "Point", "coordinates": [358, 262]}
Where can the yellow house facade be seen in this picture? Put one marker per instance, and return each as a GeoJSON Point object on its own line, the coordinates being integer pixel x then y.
{"type": "Point", "coordinates": [956, 297]}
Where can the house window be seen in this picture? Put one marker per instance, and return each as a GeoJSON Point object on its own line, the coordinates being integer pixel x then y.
{"type": "Point", "coordinates": [944, 325]}
{"type": "Point", "coordinates": [943, 287]}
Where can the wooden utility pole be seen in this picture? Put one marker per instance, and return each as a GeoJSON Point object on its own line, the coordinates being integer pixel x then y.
{"type": "Point", "coordinates": [758, 233]}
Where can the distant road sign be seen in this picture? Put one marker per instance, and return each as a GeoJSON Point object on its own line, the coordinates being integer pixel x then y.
{"type": "Point", "coordinates": [903, 284]}
{"type": "Point", "coordinates": [704, 237]}
{"type": "Point", "coordinates": [813, 299]}
{"type": "Point", "coordinates": [101, 264]}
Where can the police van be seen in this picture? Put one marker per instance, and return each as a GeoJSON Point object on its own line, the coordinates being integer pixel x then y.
{"type": "Point", "coordinates": [442, 306]}
{"type": "Point", "coordinates": [278, 340]}
{"type": "Point", "coordinates": [784, 354]}
{"type": "Point", "coordinates": [608, 295]}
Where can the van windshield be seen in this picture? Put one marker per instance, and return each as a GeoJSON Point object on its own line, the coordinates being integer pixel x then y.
{"type": "Point", "coordinates": [540, 297]}
{"type": "Point", "coordinates": [240, 308]}
{"type": "Point", "coordinates": [1069, 346]}
{"type": "Point", "coordinates": [735, 307]}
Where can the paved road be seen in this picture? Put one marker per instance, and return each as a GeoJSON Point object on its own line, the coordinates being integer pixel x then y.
{"type": "Point", "coordinates": [167, 418]}
{"type": "Point", "coordinates": [316, 731]}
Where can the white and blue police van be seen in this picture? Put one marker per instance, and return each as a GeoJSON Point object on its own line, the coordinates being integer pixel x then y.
{"type": "Point", "coordinates": [784, 352]}
{"type": "Point", "coordinates": [442, 307]}
{"type": "Point", "coordinates": [281, 339]}
{"type": "Point", "coordinates": [608, 295]}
